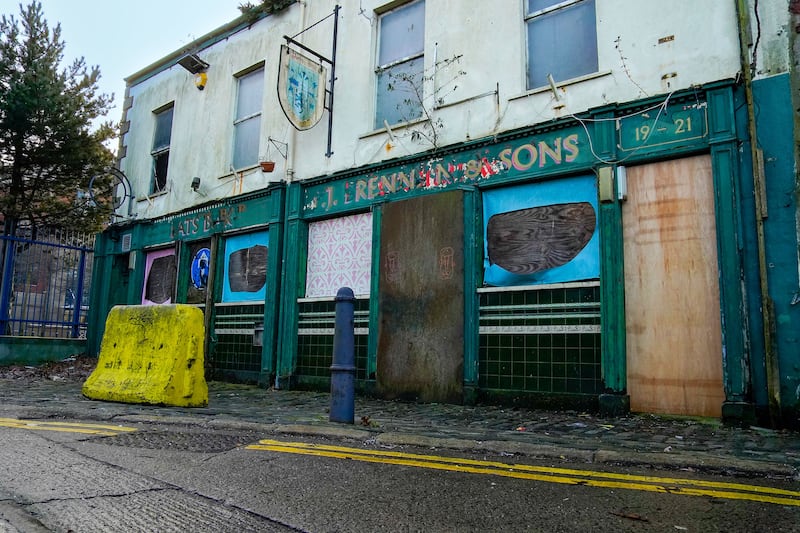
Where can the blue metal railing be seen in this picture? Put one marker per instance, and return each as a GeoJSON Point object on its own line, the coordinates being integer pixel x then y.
{"type": "Point", "coordinates": [45, 284]}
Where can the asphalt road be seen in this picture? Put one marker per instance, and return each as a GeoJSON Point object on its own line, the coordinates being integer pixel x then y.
{"type": "Point", "coordinates": [168, 477]}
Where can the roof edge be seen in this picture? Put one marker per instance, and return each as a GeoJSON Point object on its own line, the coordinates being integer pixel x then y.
{"type": "Point", "coordinates": [211, 38]}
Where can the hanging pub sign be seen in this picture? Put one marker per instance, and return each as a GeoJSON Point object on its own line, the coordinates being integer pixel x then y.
{"type": "Point", "coordinates": [301, 88]}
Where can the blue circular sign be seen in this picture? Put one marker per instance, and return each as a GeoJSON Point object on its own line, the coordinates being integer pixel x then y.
{"type": "Point", "coordinates": [200, 268]}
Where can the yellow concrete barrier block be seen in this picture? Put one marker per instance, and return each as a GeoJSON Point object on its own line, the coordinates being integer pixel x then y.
{"type": "Point", "coordinates": [151, 354]}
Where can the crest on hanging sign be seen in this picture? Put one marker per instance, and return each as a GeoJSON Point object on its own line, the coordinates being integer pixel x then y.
{"type": "Point", "coordinates": [301, 88]}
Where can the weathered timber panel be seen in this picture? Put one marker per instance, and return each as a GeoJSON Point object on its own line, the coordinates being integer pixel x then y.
{"type": "Point", "coordinates": [421, 301]}
{"type": "Point", "coordinates": [672, 303]}
{"type": "Point", "coordinates": [539, 238]}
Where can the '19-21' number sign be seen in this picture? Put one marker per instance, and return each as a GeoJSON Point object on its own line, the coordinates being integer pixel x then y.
{"type": "Point", "coordinates": [651, 128]}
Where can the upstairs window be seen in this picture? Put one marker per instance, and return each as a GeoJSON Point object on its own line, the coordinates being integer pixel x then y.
{"type": "Point", "coordinates": [247, 122]}
{"type": "Point", "coordinates": [562, 40]}
{"type": "Point", "coordinates": [401, 44]}
{"type": "Point", "coordinates": [160, 152]}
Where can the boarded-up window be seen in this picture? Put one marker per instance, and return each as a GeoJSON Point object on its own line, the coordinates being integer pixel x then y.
{"type": "Point", "coordinates": [339, 255]}
{"type": "Point", "coordinates": [247, 269]}
{"type": "Point", "coordinates": [541, 233]}
{"type": "Point", "coordinates": [200, 265]}
{"type": "Point", "coordinates": [246, 259]}
{"type": "Point", "coordinates": [539, 238]}
{"type": "Point", "coordinates": [159, 281]}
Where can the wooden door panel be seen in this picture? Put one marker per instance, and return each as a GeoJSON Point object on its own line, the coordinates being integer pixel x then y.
{"type": "Point", "coordinates": [421, 300]}
{"type": "Point", "coordinates": [672, 308]}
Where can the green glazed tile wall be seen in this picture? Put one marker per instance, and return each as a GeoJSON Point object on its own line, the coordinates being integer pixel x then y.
{"type": "Point", "coordinates": [315, 352]}
{"type": "Point", "coordinates": [234, 352]}
{"type": "Point", "coordinates": [567, 362]}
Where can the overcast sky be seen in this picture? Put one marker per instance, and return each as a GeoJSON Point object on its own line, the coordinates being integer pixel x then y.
{"type": "Point", "coordinates": [124, 36]}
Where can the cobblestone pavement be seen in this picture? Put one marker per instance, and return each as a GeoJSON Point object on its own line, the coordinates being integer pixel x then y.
{"type": "Point", "coordinates": [644, 440]}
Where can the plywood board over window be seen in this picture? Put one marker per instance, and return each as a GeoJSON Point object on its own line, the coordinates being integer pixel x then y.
{"type": "Point", "coordinates": [159, 277]}
{"type": "Point", "coordinates": [539, 233]}
{"type": "Point", "coordinates": [246, 267]}
{"type": "Point", "coordinates": [672, 309]}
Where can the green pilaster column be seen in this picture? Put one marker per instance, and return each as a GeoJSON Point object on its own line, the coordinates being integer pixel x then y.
{"type": "Point", "coordinates": [735, 361]}
{"type": "Point", "coordinates": [273, 289]}
{"type": "Point", "coordinates": [102, 264]}
{"type": "Point", "coordinates": [612, 269]}
{"type": "Point", "coordinates": [136, 274]}
{"type": "Point", "coordinates": [375, 284]}
{"type": "Point", "coordinates": [473, 255]}
{"type": "Point", "coordinates": [294, 242]}
{"type": "Point", "coordinates": [725, 168]}
{"type": "Point", "coordinates": [612, 299]}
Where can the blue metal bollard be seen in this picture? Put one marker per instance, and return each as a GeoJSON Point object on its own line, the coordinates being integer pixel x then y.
{"type": "Point", "coordinates": [343, 369]}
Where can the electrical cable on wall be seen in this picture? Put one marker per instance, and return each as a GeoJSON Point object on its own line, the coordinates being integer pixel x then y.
{"type": "Point", "coordinates": [661, 108]}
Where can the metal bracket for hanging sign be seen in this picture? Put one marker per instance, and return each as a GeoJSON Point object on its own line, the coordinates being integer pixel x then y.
{"type": "Point", "coordinates": [331, 62]}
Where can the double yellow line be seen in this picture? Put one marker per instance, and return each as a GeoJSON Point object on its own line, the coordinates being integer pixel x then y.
{"type": "Point", "coordinates": [687, 487]}
{"type": "Point", "coordinates": [68, 427]}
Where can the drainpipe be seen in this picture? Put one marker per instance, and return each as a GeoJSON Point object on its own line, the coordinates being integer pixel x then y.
{"type": "Point", "coordinates": [759, 189]}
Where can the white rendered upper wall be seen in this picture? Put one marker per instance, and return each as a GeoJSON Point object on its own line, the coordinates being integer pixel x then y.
{"type": "Point", "coordinates": [644, 48]}
{"type": "Point", "coordinates": [768, 33]}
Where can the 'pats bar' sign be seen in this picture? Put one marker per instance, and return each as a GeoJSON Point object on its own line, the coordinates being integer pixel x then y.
{"type": "Point", "coordinates": [533, 155]}
{"type": "Point", "coordinates": [203, 223]}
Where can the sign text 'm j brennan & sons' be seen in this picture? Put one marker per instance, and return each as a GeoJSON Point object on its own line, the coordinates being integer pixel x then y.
{"type": "Point", "coordinates": [567, 148]}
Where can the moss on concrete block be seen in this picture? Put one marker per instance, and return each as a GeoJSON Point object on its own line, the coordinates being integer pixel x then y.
{"type": "Point", "coordinates": [151, 355]}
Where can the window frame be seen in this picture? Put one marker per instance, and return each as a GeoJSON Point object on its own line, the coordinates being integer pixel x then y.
{"type": "Point", "coordinates": [258, 69]}
{"type": "Point", "coordinates": [529, 17]}
{"type": "Point", "coordinates": [160, 151]}
{"type": "Point", "coordinates": [379, 115]}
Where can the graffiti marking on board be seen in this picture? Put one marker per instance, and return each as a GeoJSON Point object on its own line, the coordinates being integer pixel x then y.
{"type": "Point", "coordinates": [446, 262]}
{"type": "Point", "coordinates": [393, 267]}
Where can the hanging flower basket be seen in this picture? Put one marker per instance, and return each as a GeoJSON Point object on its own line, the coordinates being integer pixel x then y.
{"type": "Point", "coordinates": [267, 164]}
